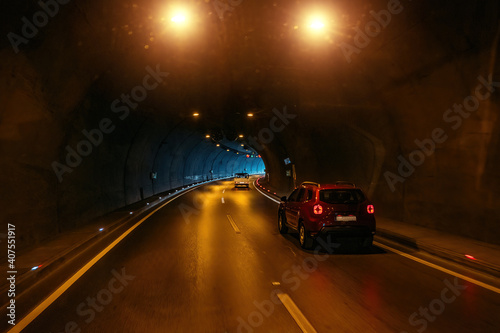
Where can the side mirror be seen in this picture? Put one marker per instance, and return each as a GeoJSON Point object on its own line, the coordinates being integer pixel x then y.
{"type": "Point", "coordinates": [283, 198]}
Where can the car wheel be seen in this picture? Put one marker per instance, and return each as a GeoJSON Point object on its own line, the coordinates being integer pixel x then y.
{"type": "Point", "coordinates": [306, 242]}
{"type": "Point", "coordinates": [282, 224]}
{"type": "Point", "coordinates": [366, 247]}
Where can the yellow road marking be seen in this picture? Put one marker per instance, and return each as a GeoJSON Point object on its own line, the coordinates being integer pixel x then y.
{"type": "Point", "coordinates": [235, 227]}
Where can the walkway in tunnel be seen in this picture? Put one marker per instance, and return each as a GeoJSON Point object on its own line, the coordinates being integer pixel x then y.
{"type": "Point", "coordinates": [213, 261]}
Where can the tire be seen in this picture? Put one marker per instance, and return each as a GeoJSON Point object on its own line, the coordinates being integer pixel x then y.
{"type": "Point", "coordinates": [283, 229]}
{"type": "Point", "coordinates": [366, 247]}
{"type": "Point", "coordinates": [306, 241]}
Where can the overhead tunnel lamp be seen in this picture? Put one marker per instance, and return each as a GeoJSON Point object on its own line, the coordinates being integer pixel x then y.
{"type": "Point", "coordinates": [207, 136]}
{"type": "Point", "coordinates": [249, 114]}
{"type": "Point", "coordinates": [179, 18]}
{"type": "Point", "coordinates": [316, 24]}
{"type": "Point", "coordinates": [240, 136]}
{"type": "Point", "coordinates": [196, 114]}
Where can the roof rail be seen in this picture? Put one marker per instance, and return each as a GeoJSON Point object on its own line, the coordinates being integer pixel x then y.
{"type": "Point", "coordinates": [310, 183]}
{"type": "Point", "coordinates": [341, 182]}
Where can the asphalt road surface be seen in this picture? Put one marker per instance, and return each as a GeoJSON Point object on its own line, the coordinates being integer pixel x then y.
{"type": "Point", "coordinates": [213, 261]}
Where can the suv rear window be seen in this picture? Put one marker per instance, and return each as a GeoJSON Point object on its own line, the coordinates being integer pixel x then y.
{"type": "Point", "coordinates": [341, 196]}
{"type": "Point", "coordinates": [242, 175]}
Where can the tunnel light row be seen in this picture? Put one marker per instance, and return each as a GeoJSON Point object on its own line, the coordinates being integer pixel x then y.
{"type": "Point", "coordinates": [233, 150]}
{"type": "Point", "coordinates": [313, 19]}
{"type": "Point", "coordinates": [241, 136]}
{"type": "Point", "coordinates": [249, 114]}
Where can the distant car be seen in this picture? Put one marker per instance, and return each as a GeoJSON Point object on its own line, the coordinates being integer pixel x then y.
{"type": "Point", "coordinates": [242, 179]}
{"type": "Point", "coordinates": [341, 211]}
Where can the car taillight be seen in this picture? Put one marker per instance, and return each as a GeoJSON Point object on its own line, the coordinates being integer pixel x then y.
{"type": "Point", "coordinates": [370, 209]}
{"type": "Point", "coordinates": [318, 209]}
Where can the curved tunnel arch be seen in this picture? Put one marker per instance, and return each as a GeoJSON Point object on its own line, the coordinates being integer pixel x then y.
{"type": "Point", "coordinates": [354, 120]}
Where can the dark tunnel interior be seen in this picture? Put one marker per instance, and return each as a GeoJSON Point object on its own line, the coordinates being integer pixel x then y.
{"type": "Point", "coordinates": [104, 104]}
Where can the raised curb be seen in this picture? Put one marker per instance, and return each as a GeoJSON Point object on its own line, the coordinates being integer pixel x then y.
{"type": "Point", "coordinates": [439, 251]}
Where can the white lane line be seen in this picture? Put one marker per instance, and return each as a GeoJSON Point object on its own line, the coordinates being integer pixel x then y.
{"type": "Point", "coordinates": [223, 200]}
{"type": "Point", "coordinates": [296, 314]}
{"type": "Point", "coordinates": [235, 227]}
{"type": "Point", "coordinates": [65, 286]}
{"type": "Point", "coordinates": [442, 269]}
{"type": "Point", "coordinates": [223, 191]}
{"type": "Point", "coordinates": [264, 194]}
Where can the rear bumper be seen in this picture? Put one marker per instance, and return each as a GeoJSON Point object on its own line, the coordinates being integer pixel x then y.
{"type": "Point", "coordinates": [346, 235]}
{"type": "Point", "coordinates": [346, 231]}
{"type": "Point", "coordinates": [359, 235]}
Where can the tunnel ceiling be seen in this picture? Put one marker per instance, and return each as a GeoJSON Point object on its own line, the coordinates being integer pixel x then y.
{"type": "Point", "coordinates": [350, 102]}
{"type": "Point", "coordinates": [255, 55]}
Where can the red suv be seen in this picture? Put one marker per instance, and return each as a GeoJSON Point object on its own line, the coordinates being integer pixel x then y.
{"type": "Point", "coordinates": [339, 210]}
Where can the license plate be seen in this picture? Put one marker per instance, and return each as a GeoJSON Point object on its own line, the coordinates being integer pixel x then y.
{"type": "Point", "coordinates": [346, 218]}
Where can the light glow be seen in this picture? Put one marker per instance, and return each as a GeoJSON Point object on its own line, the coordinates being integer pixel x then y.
{"type": "Point", "coordinates": [316, 24]}
{"type": "Point", "coordinates": [179, 18]}
{"type": "Point", "coordinates": [470, 257]}
{"type": "Point", "coordinates": [370, 209]}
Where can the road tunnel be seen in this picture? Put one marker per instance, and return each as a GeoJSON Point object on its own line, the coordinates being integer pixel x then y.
{"type": "Point", "coordinates": [99, 103]}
